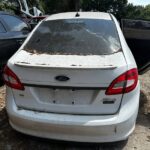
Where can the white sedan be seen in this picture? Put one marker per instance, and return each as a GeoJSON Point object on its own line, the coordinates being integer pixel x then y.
{"type": "Point", "coordinates": [74, 79]}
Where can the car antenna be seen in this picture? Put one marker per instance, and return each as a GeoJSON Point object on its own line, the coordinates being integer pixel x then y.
{"type": "Point", "coordinates": [77, 15]}
{"type": "Point", "coordinates": [77, 9]}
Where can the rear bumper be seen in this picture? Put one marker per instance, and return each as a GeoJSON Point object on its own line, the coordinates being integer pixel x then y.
{"type": "Point", "coordinates": [84, 128]}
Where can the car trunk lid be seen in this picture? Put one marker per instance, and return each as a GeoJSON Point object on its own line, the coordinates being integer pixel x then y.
{"type": "Point", "coordinates": [84, 91]}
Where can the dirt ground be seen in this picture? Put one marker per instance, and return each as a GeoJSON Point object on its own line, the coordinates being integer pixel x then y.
{"type": "Point", "coordinates": [139, 140]}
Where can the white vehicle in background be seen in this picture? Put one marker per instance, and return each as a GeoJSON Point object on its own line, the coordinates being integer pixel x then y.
{"type": "Point", "coordinates": [31, 12]}
{"type": "Point", "coordinates": [75, 79]}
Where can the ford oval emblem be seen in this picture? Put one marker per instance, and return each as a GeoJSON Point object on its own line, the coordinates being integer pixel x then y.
{"type": "Point", "coordinates": [62, 78]}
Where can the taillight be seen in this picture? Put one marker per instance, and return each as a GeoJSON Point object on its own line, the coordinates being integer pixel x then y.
{"type": "Point", "coordinates": [11, 79]}
{"type": "Point", "coordinates": [125, 83]}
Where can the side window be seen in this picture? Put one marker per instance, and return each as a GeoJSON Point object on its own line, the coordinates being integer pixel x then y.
{"type": "Point", "coordinates": [2, 29]}
{"type": "Point", "coordinates": [14, 23]}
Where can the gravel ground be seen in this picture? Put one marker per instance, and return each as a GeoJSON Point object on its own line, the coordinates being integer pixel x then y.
{"type": "Point", "coordinates": [139, 140]}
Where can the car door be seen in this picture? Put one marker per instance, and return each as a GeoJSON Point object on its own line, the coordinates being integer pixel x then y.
{"type": "Point", "coordinates": [137, 34]}
{"type": "Point", "coordinates": [11, 40]}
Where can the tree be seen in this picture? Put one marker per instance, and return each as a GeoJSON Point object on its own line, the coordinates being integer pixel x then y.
{"type": "Point", "coordinates": [134, 12]}
{"type": "Point", "coordinates": [56, 6]}
{"type": "Point", "coordinates": [137, 12]}
{"type": "Point", "coordinates": [117, 7]}
{"type": "Point", "coordinates": [120, 8]}
{"type": "Point", "coordinates": [8, 5]}
{"type": "Point", "coordinates": [146, 12]}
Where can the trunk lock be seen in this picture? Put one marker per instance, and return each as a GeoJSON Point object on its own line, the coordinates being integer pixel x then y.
{"type": "Point", "coordinates": [62, 78]}
{"type": "Point", "coordinates": [109, 101]}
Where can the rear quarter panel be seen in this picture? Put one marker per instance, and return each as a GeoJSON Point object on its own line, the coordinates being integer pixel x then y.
{"type": "Point", "coordinates": [126, 50]}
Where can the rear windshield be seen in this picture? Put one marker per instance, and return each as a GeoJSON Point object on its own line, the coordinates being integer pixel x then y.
{"type": "Point", "coordinates": [75, 37]}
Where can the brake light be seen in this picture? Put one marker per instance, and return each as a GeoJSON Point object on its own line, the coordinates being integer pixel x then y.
{"type": "Point", "coordinates": [125, 83]}
{"type": "Point", "coordinates": [11, 79]}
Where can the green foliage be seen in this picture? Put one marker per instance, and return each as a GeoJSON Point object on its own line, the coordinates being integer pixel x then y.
{"type": "Point", "coordinates": [134, 12]}
{"type": "Point", "coordinates": [137, 12]}
{"type": "Point", "coordinates": [116, 7]}
{"type": "Point", "coordinates": [119, 8]}
{"type": "Point", "coordinates": [55, 6]}
{"type": "Point", "coordinates": [146, 13]}
{"type": "Point", "coordinates": [6, 5]}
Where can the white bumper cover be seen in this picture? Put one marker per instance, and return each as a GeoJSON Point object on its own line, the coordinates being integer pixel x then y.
{"type": "Point", "coordinates": [82, 128]}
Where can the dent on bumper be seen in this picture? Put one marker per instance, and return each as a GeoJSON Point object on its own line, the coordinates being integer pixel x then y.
{"type": "Point", "coordinates": [106, 128]}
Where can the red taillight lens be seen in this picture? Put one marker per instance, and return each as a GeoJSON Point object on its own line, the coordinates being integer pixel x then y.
{"type": "Point", "coordinates": [11, 79]}
{"type": "Point", "coordinates": [125, 83]}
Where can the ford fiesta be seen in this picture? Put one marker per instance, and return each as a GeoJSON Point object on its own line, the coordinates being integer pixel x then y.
{"type": "Point", "coordinates": [75, 79]}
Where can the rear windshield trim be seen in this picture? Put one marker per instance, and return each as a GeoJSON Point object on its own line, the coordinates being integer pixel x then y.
{"type": "Point", "coordinates": [75, 37]}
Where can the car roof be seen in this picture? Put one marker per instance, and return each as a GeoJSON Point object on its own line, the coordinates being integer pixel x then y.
{"type": "Point", "coordinates": [5, 13]}
{"type": "Point", "coordinates": [88, 15]}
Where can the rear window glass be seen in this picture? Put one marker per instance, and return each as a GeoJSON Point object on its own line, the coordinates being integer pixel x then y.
{"type": "Point", "coordinates": [14, 23]}
{"type": "Point", "coordinates": [75, 37]}
{"type": "Point", "coordinates": [2, 29]}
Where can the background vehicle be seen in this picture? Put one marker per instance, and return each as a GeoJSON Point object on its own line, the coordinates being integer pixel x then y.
{"type": "Point", "coordinates": [137, 34]}
{"type": "Point", "coordinates": [13, 32]}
